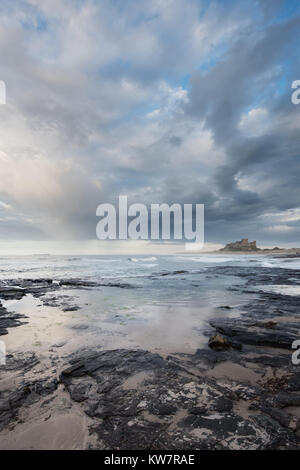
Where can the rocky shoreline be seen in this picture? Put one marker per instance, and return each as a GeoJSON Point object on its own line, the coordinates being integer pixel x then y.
{"type": "Point", "coordinates": [241, 393]}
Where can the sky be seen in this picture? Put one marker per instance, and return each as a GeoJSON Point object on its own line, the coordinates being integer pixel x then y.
{"type": "Point", "coordinates": [164, 101]}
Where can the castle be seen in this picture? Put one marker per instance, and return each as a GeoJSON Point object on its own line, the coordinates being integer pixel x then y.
{"type": "Point", "coordinates": [241, 245]}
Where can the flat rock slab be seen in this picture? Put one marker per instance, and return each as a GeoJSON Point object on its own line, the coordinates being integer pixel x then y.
{"type": "Point", "coordinates": [139, 400]}
{"type": "Point", "coordinates": [258, 333]}
{"type": "Point", "coordinates": [26, 391]}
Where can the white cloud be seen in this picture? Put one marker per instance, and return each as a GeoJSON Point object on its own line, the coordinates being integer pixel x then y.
{"type": "Point", "coordinates": [5, 206]}
{"type": "Point", "coordinates": [256, 122]}
{"type": "Point", "coordinates": [280, 228]}
{"type": "Point", "coordinates": [170, 101]}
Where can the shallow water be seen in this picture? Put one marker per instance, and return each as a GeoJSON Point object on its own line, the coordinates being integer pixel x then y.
{"type": "Point", "coordinates": [166, 310]}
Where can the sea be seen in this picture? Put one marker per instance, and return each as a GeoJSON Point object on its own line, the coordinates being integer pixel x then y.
{"type": "Point", "coordinates": [162, 303]}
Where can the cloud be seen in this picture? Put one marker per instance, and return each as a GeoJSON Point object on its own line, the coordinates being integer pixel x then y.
{"type": "Point", "coordinates": [107, 98]}
{"type": "Point", "coordinates": [255, 122]}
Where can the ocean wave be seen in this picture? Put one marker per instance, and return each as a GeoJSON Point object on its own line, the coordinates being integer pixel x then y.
{"type": "Point", "coordinates": [109, 260]}
{"type": "Point", "coordinates": [293, 291]}
{"type": "Point", "coordinates": [206, 259]}
{"type": "Point", "coordinates": [137, 260]}
{"type": "Point", "coordinates": [149, 265]}
{"type": "Point", "coordinates": [281, 263]}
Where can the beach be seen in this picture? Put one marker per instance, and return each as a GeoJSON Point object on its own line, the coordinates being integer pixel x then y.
{"type": "Point", "coordinates": [150, 352]}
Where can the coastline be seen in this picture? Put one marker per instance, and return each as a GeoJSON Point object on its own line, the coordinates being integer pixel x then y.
{"type": "Point", "coordinates": [281, 252]}
{"type": "Point", "coordinates": [241, 394]}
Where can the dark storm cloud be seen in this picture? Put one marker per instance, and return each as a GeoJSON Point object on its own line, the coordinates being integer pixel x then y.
{"type": "Point", "coordinates": [247, 78]}
{"type": "Point", "coordinates": [245, 73]}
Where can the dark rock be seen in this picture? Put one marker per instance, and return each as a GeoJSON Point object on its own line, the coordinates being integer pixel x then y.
{"type": "Point", "coordinates": [26, 394]}
{"type": "Point", "coordinates": [284, 399]}
{"type": "Point", "coordinates": [8, 320]}
{"type": "Point", "coordinates": [171, 273]}
{"type": "Point", "coordinates": [268, 324]}
{"type": "Point", "coordinates": [135, 398]}
{"type": "Point", "coordinates": [294, 382]}
{"type": "Point", "coordinates": [79, 392]}
{"type": "Point", "coordinates": [71, 308]}
{"type": "Point", "coordinates": [122, 360]}
{"type": "Point", "coordinates": [221, 343]}
{"type": "Point", "coordinates": [78, 283]}
{"type": "Point", "coordinates": [251, 332]}
{"type": "Point", "coordinates": [285, 419]}
{"type": "Point", "coordinates": [223, 404]}
{"type": "Point", "coordinates": [11, 292]}
{"type": "Point", "coordinates": [20, 361]}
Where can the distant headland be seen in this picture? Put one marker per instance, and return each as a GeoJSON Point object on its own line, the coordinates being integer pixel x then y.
{"type": "Point", "coordinates": [244, 246]}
